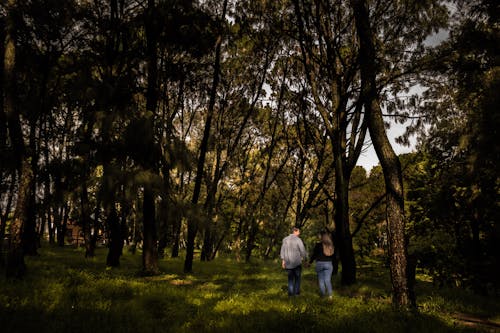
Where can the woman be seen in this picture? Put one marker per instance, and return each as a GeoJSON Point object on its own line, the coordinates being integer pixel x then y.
{"type": "Point", "coordinates": [323, 254]}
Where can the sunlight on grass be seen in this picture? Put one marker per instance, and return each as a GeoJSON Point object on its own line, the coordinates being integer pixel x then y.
{"type": "Point", "coordinates": [65, 292]}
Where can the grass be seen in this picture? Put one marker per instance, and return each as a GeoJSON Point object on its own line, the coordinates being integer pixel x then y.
{"type": "Point", "coordinates": [64, 292]}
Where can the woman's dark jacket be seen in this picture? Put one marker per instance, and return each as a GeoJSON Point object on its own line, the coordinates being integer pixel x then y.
{"type": "Point", "coordinates": [318, 254]}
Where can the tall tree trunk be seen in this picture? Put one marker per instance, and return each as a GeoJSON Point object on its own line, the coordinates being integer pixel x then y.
{"type": "Point", "coordinates": [5, 215]}
{"type": "Point", "coordinates": [192, 224]}
{"type": "Point", "coordinates": [389, 161]}
{"type": "Point", "coordinates": [218, 244]}
{"type": "Point", "coordinates": [108, 193]}
{"type": "Point", "coordinates": [150, 249]}
{"type": "Point", "coordinates": [96, 225]}
{"type": "Point", "coordinates": [343, 233]}
{"type": "Point", "coordinates": [335, 118]}
{"type": "Point", "coordinates": [46, 189]}
{"type": "Point", "coordinates": [58, 221]}
{"type": "Point", "coordinates": [475, 221]}
{"type": "Point", "coordinates": [150, 246]}
{"type": "Point", "coordinates": [63, 228]}
{"type": "Point", "coordinates": [3, 118]}
{"type": "Point", "coordinates": [177, 235]}
{"type": "Point", "coordinates": [207, 247]}
{"type": "Point", "coordinates": [115, 237]}
{"type": "Point", "coordinates": [51, 224]}
{"type": "Point", "coordinates": [163, 232]}
{"type": "Point", "coordinates": [15, 265]}
{"type": "Point", "coordinates": [30, 237]}
{"type": "Point", "coordinates": [86, 222]}
{"type": "Point", "coordinates": [252, 236]}
{"type": "Point", "coordinates": [41, 228]}
{"type": "Point", "coordinates": [210, 232]}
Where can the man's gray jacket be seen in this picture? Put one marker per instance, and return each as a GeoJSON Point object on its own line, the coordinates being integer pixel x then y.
{"type": "Point", "coordinates": [292, 251]}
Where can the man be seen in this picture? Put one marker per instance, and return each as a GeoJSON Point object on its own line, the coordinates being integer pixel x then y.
{"type": "Point", "coordinates": [292, 253]}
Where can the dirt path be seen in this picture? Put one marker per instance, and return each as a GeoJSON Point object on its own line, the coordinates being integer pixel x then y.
{"type": "Point", "coordinates": [484, 324]}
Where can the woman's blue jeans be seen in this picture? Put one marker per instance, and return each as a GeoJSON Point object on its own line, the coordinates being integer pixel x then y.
{"type": "Point", "coordinates": [324, 270]}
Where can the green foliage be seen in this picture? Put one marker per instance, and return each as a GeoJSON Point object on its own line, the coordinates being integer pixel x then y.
{"type": "Point", "coordinates": [82, 75]}
{"type": "Point", "coordinates": [454, 188]}
{"type": "Point", "coordinates": [367, 205]}
{"type": "Point", "coordinates": [65, 292]}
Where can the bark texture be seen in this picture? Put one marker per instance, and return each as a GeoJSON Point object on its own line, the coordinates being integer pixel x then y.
{"type": "Point", "coordinates": [150, 245]}
{"type": "Point", "coordinates": [15, 265]}
{"type": "Point", "coordinates": [388, 159]}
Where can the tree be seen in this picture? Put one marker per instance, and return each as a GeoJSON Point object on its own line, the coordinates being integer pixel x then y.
{"type": "Point", "coordinates": [460, 154]}
{"type": "Point", "coordinates": [388, 159]}
{"type": "Point", "coordinates": [329, 65]}
{"type": "Point", "coordinates": [392, 52]}
{"type": "Point", "coordinates": [150, 249]}
{"type": "Point", "coordinates": [15, 265]}
{"type": "Point", "coordinates": [192, 224]}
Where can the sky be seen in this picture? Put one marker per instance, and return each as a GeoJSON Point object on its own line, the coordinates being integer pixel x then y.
{"type": "Point", "coordinates": [368, 158]}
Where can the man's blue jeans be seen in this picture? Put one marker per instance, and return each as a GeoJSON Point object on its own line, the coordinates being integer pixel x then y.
{"type": "Point", "coordinates": [294, 280]}
{"type": "Point", "coordinates": [324, 270]}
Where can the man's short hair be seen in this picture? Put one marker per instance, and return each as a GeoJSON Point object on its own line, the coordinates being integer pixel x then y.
{"type": "Point", "coordinates": [294, 229]}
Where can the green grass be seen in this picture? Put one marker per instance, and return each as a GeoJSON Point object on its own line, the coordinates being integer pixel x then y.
{"type": "Point", "coordinates": [64, 292]}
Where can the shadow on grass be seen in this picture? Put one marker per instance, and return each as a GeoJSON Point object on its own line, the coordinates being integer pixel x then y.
{"type": "Point", "coordinates": [148, 314]}
{"type": "Point", "coordinates": [297, 320]}
{"type": "Point", "coordinates": [157, 314]}
{"type": "Point", "coordinates": [67, 293]}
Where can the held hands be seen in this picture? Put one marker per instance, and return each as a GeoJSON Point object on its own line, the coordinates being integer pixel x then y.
{"type": "Point", "coordinates": [306, 264]}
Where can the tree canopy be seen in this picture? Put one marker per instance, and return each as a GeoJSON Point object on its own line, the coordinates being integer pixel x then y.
{"type": "Point", "coordinates": [205, 128]}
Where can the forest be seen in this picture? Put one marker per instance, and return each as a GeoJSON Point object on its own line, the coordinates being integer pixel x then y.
{"type": "Point", "coordinates": [197, 131]}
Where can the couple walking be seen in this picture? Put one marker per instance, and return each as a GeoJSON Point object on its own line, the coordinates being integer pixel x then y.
{"type": "Point", "coordinates": [293, 252]}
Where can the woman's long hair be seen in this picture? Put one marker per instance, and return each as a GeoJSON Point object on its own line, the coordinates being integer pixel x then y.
{"type": "Point", "coordinates": [327, 243]}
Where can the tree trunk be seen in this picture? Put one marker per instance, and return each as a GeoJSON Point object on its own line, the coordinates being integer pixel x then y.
{"type": "Point", "coordinates": [163, 238]}
{"type": "Point", "coordinates": [343, 233]}
{"type": "Point", "coordinates": [15, 265]}
{"type": "Point", "coordinates": [150, 248]}
{"type": "Point", "coordinates": [207, 247]}
{"type": "Point", "coordinates": [115, 237]}
{"type": "Point", "coordinates": [96, 225]}
{"type": "Point", "coordinates": [192, 224]}
{"type": "Point", "coordinates": [335, 117]}
{"type": "Point", "coordinates": [65, 220]}
{"type": "Point", "coordinates": [89, 233]}
{"type": "Point", "coordinates": [177, 235]}
{"type": "Point", "coordinates": [30, 237]}
{"type": "Point", "coordinates": [86, 222]}
{"type": "Point", "coordinates": [41, 228]}
{"type": "Point", "coordinates": [218, 245]}
{"type": "Point", "coordinates": [252, 236]}
{"type": "Point", "coordinates": [47, 216]}
{"type": "Point", "coordinates": [3, 118]}
{"type": "Point", "coordinates": [51, 224]}
{"type": "Point", "coordinates": [475, 221]}
{"type": "Point", "coordinates": [210, 231]}
{"type": "Point", "coordinates": [5, 215]}
{"type": "Point", "coordinates": [389, 161]}
{"type": "Point", "coordinates": [60, 228]}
